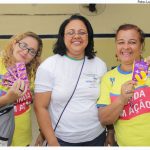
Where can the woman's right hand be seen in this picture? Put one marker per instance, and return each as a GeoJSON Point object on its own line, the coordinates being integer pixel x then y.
{"type": "Point", "coordinates": [17, 90]}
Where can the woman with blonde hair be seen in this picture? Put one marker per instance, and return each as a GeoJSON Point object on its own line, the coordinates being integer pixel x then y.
{"type": "Point", "coordinates": [24, 47]}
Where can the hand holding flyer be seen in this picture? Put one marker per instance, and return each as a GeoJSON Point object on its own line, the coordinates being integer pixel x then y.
{"type": "Point", "coordinates": [15, 72]}
{"type": "Point", "coordinates": [18, 72]}
{"type": "Point", "coordinates": [140, 71]}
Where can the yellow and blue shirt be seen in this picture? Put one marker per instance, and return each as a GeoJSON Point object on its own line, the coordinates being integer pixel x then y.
{"type": "Point", "coordinates": [23, 129]}
{"type": "Point", "coordinates": [3, 70]}
{"type": "Point", "coordinates": [133, 126]}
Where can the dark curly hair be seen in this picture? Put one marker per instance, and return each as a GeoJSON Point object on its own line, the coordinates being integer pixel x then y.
{"type": "Point", "coordinates": [59, 46]}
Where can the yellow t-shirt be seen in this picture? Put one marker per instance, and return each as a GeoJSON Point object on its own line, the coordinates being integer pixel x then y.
{"type": "Point", "coordinates": [133, 126]}
{"type": "Point", "coordinates": [23, 127]}
{"type": "Point", "coordinates": [3, 70]}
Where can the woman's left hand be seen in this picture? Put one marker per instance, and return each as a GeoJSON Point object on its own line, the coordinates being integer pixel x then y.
{"type": "Point", "coordinates": [110, 139]}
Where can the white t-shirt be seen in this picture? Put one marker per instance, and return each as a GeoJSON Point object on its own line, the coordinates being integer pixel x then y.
{"type": "Point", "coordinates": [59, 74]}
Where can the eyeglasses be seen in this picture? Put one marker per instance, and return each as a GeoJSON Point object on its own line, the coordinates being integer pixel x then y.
{"type": "Point", "coordinates": [72, 33]}
{"type": "Point", "coordinates": [24, 46]}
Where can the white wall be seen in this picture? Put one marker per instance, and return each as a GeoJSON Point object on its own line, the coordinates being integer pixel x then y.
{"type": "Point", "coordinates": [46, 19]}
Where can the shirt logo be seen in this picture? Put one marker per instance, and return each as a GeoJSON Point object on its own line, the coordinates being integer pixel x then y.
{"type": "Point", "coordinates": [112, 80]}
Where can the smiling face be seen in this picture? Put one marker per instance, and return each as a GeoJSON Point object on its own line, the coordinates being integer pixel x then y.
{"type": "Point", "coordinates": [128, 46]}
{"type": "Point", "coordinates": [76, 39]}
{"type": "Point", "coordinates": [21, 49]}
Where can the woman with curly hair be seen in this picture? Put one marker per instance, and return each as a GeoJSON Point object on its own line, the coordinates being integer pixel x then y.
{"type": "Point", "coordinates": [25, 47]}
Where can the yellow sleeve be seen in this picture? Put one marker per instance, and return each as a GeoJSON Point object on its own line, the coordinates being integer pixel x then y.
{"type": "Point", "coordinates": [105, 88]}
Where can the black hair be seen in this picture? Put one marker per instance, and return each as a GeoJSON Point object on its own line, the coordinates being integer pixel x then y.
{"type": "Point", "coordinates": [59, 46]}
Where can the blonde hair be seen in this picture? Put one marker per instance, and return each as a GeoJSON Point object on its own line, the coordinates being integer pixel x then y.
{"type": "Point", "coordinates": [32, 66]}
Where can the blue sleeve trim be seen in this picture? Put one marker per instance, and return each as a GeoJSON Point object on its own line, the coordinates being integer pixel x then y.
{"type": "Point", "coordinates": [101, 105]}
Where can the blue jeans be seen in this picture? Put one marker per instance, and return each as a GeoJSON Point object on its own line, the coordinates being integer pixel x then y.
{"type": "Point", "coordinates": [99, 141]}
